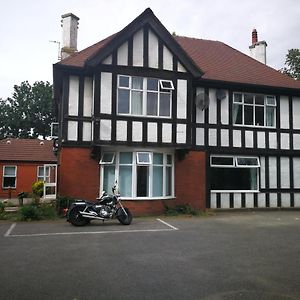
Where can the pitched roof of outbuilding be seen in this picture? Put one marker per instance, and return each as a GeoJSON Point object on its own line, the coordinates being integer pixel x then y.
{"type": "Point", "coordinates": [218, 61]}
{"type": "Point", "coordinates": [27, 150]}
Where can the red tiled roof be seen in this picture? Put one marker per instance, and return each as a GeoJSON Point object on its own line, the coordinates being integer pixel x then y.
{"type": "Point", "coordinates": [217, 60]}
{"type": "Point", "coordinates": [27, 150]}
{"type": "Point", "coordinates": [78, 59]}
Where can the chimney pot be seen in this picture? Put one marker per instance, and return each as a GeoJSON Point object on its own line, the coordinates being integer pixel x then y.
{"type": "Point", "coordinates": [254, 36]}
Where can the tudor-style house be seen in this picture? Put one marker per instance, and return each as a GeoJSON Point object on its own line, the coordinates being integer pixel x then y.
{"type": "Point", "coordinates": [175, 120]}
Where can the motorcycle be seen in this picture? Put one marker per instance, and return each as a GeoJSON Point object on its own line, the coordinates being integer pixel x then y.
{"type": "Point", "coordinates": [107, 207]}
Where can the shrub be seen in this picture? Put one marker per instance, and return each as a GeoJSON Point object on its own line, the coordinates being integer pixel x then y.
{"type": "Point", "coordinates": [1, 207]}
{"type": "Point", "coordinates": [181, 209]}
{"type": "Point", "coordinates": [64, 201]}
{"type": "Point", "coordinates": [47, 211]}
{"type": "Point", "coordinates": [38, 188]}
{"type": "Point", "coordinates": [29, 212]}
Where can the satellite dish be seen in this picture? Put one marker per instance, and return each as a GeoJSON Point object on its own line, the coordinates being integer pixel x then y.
{"type": "Point", "coordinates": [220, 94]}
{"type": "Point", "coordinates": [202, 100]}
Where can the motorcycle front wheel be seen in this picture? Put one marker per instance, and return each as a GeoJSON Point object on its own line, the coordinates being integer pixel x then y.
{"type": "Point", "coordinates": [76, 218]}
{"type": "Point", "coordinates": [123, 218]}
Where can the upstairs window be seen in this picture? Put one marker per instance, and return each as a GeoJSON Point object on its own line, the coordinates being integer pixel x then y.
{"type": "Point", "coordinates": [141, 96]}
{"type": "Point", "coordinates": [9, 177]}
{"type": "Point", "coordinates": [254, 110]}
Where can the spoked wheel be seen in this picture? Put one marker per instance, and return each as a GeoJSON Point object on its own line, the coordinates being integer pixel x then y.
{"type": "Point", "coordinates": [123, 218]}
{"type": "Point", "coordinates": [76, 218]}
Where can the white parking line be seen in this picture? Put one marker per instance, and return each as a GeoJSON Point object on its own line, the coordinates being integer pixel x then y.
{"type": "Point", "coordinates": [169, 225]}
{"type": "Point", "coordinates": [8, 232]}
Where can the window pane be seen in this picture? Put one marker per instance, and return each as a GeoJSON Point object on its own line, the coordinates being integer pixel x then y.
{"type": "Point", "coordinates": [9, 182]}
{"type": "Point", "coordinates": [9, 171]}
{"type": "Point", "coordinates": [142, 182]}
{"type": "Point", "coordinates": [168, 181]}
{"type": "Point", "coordinates": [157, 181]}
{"type": "Point", "coordinates": [158, 159]}
{"type": "Point", "coordinates": [248, 98]}
{"type": "Point", "coordinates": [125, 181]}
{"type": "Point", "coordinates": [247, 161]}
{"type": "Point", "coordinates": [222, 161]}
{"type": "Point", "coordinates": [143, 158]}
{"type": "Point", "coordinates": [166, 84]}
{"type": "Point", "coordinates": [40, 171]}
{"type": "Point", "coordinates": [234, 178]}
{"type": "Point", "coordinates": [123, 101]}
{"type": "Point", "coordinates": [169, 159]}
{"type": "Point", "coordinates": [248, 115]}
{"type": "Point", "coordinates": [164, 104]}
{"type": "Point", "coordinates": [260, 99]}
{"type": "Point", "coordinates": [271, 100]}
{"type": "Point", "coordinates": [259, 116]}
{"type": "Point", "coordinates": [152, 84]}
{"type": "Point", "coordinates": [108, 178]}
{"type": "Point", "coordinates": [237, 98]}
{"type": "Point", "coordinates": [237, 115]}
{"type": "Point", "coordinates": [125, 158]}
{"type": "Point", "coordinates": [137, 83]}
{"type": "Point", "coordinates": [123, 81]}
{"type": "Point", "coordinates": [152, 99]}
{"type": "Point", "coordinates": [270, 116]}
{"type": "Point", "coordinates": [136, 103]}
{"type": "Point", "coordinates": [108, 157]}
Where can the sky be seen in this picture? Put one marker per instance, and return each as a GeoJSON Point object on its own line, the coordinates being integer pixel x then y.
{"type": "Point", "coordinates": [28, 26]}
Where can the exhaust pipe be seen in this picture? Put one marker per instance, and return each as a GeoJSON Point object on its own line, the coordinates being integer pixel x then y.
{"type": "Point", "coordinates": [91, 215]}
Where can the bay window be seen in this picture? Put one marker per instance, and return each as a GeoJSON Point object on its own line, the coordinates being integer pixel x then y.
{"type": "Point", "coordinates": [142, 96]}
{"type": "Point", "coordinates": [140, 174]}
{"type": "Point", "coordinates": [254, 110]}
{"type": "Point", "coordinates": [234, 173]}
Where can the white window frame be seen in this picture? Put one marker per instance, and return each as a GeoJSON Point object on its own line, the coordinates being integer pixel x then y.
{"type": "Point", "coordinates": [134, 165]}
{"type": "Point", "coordinates": [163, 81]}
{"type": "Point", "coordinates": [149, 162]}
{"type": "Point", "coordinates": [108, 162]}
{"type": "Point", "coordinates": [161, 90]}
{"type": "Point", "coordinates": [5, 176]}
{"type": "Point", "coordinates": [41, 178]}
{"type": "Point", "coordinates": [236, 165]}
{"type": "Point", "coordinates": [242, 104]}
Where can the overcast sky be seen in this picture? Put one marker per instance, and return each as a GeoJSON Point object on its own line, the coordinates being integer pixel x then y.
{"type": "Point", "coordinates": [27, 26]}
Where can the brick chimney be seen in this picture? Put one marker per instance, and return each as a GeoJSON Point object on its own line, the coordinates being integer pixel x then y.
{"type": "Point", "coordinates": [258, 49]}
{"type": "Point", "coordinates": [69, 24]}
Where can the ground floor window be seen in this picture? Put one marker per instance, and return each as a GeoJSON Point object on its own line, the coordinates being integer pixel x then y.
{"type": "Point", "coordinates": [43, 173]}
{"type": "Point", "coordinates": [140, 174]}
{"type": "Point", "coordinates": [236, 173]}
{"type": "Point", "coordinates": [9, 177]}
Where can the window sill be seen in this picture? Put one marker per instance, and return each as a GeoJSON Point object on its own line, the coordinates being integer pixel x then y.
{"type": "Point", "coordinates": [234, 191]}
{"type": "Point", "coordinates": [147, 198]}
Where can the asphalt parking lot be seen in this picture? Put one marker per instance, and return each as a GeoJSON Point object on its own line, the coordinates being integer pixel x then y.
{"type": "Point", "coordinates": [240, 255]}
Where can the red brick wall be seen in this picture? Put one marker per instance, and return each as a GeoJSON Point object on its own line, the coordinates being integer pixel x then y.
{"type": "Point", "coordinates": [79, 178]}
{"type": "Point", "coordinates": [78, 174]}
{"type": "Point", "coordinates": [190, 180]}
{"type": "Point", "coordinates": [26, 176]}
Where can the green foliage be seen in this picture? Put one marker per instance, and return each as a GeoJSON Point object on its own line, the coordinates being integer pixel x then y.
{"type": "Point", "coordinates": [29, 213]}
{"type": "Point", "coordinates": [38, 188]}
{"type": "Point", "coordinates": [292, 62]}
{"type": "Point", "coordinates": [2, 206]}
{"type": "Point", "coordinates": [181, 209]}
{"type": "Point", "coordinates": [28, 113]}
{"type": "Point", "coordinates": [32, 212]}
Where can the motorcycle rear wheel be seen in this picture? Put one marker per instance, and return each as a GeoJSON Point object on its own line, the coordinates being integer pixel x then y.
{"type": "Point", "coordinates": [123, 219]}
{"type": "Point", "coordinates": [76, 218]}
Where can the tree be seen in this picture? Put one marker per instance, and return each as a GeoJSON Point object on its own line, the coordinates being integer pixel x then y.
{"type": "Point", "coordinates": [292, 62]}
{"type": "Point", "coordinates": [28, 113]}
